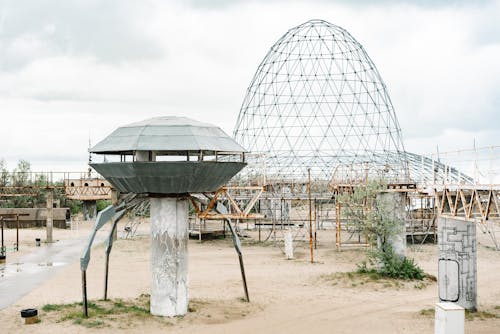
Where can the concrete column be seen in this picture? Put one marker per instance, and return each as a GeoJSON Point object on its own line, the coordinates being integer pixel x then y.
{"type": "Point", "coordinates": [169, 257]}
{"type": "Point", "coordinates": [288, 245]}
{"type": "Point", "coordinates": [457, 273]}
{"type": "Point", "coordinates": [276, 209]}
{"type": "Point", "coordinates": [50, 215]}
{"type": "Point", "coordinates": [89, 210]}
{"type": "Point", "coordinates": [393, 205]}
{"type": "Point", "coordinates": [449, 319]}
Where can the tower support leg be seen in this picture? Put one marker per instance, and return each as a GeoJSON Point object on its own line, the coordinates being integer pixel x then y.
{"type": "Point", "coordinates": [169, 257]}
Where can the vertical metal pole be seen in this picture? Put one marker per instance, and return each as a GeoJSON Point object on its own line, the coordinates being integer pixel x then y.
{"type": "Point", "coordinates": [106, 265]}
{"type": "Point", "coordinates": [106, 277]}
{"type": "Point", "coordinates": [243, 276]}
{"type": "Point", "coordinates": [84, 294]}
{"type": "Point", "coordinates": [236, 243]}
{"type": "Point", "coordinates": [273, 208]}
{"type": "Point", "coordinates": [310, 215]}
{"type": "Point", "coordinates": [17, 233]}
{"type": "Point", "coordinates": [315, 225]}
{"type": "Point", "coordinates": [2, 250]}
{"type": "Point", "coordinates": [199, 232]}
{"type": "Point", "coordinates": [281, 213]}
{"type": "Point", "coordinates": [337, 227]}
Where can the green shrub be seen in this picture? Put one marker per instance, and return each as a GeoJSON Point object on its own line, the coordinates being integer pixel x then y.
{"type": "Point", "coordinates": [102, 204]}
{"type": "Point", "coordinates": [388, 264]}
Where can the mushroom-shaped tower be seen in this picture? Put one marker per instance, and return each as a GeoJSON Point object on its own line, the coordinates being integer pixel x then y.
{"type": "Point", "coordinates": [167, 158]}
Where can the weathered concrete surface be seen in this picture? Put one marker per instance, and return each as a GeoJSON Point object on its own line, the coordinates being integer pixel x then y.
{"type": "Point", "coordinates": [89, 210]}
{"type": "Point", "coordinates": [169, 257]}
{"type": "Point", "coordinates": [276, 209]}
{"type": "Point", "coordinates": [393, 204]}
{"type": "Point", "coordinates": [288, 245]}
{"type": "Point", "coordinates": [449, 318]}
{"type": "Point", "coordinates": [457, 273]}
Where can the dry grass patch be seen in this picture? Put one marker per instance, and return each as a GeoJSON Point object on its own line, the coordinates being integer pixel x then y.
{"type": "Point", "coordinates": [374, 280]}
{"type": "Point", "coordinates": [121, 313]}
{"type": "Point", "coordinates": [469, 315]}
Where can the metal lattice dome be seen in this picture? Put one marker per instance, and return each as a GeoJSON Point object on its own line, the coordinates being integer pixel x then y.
{"type": "Point", "coordinates": [318, 102]}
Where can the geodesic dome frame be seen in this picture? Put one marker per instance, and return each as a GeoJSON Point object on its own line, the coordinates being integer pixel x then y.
{"type": "Point", "coordinates": [317, 101]}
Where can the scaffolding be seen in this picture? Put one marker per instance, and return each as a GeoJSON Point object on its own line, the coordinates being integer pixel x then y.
{"type": "Point", "coordinates": [317, 101]}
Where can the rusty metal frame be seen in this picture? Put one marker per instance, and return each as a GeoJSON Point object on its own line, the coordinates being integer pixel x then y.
{"type": "Point", "coordinates": [237, 211]}
{"type": "Point", "coordinates": [469, 203]}
{"type": "Point", "coordinates": [480, 204]}
{"type": "Point", "coordinates": [82, 193]}
{"type": "Point", "coordinates": [88, 193]}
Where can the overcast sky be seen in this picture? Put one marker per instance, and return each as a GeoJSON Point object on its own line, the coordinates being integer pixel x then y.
{"type": "Point", "coordinates": [76, 69]}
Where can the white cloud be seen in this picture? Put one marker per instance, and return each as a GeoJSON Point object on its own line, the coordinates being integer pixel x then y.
{"type": "Point", "coordinates": [92, 66]}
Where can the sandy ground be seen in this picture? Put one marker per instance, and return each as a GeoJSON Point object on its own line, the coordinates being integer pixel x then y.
{"type": "Point", "coordinates": [287, 296]}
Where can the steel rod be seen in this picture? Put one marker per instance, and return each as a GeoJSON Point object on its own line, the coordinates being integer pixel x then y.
{"type": "Point", "coordinates": [17, 233]}
{"type": "Point", "coordinates": [243, 276]}
{"type": "Point", "coordinates": [106, 273]}
{"type": "Point", "coordinates": [84, 294]}
{"type": "Point", "coordinates": [311, 248]}
{"type": "Point", "coordinates": [240, 257]}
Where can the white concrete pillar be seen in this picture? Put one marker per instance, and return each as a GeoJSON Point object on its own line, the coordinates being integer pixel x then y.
{"type": "Point", "coordinates": [393, 205]}
{"type": "Point", "coordinates": [89, 210]}
{"type": "Point", "coordinates": [457, 276]}
{"type": "Point", "coordinates": [169, 257]}
{"type": "Point", "coordinates": [288, 245]}
{"type": "Point", "coordinates": [449, 319]}
{"type": "Point", "coordinates": [50, 215]}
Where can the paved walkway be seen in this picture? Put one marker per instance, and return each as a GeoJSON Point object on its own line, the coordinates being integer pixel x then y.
{"type": "Point", "coordinates": [30, 271]}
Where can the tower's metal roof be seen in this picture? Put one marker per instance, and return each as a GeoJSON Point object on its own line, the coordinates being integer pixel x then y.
{"type": "Point", "coordinates": [167, 133]}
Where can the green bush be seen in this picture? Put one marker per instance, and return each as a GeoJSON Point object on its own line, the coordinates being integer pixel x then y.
{"type": "Point", "coordinates": [388, 264]}
{"type": "Point", "coordinates": [102, 204]}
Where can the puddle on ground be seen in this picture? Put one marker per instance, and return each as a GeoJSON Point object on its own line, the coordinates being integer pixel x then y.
{"type": "Point", "coordinates": [10, 269]}
{"type": "Point", "coordinates": [51, 264]}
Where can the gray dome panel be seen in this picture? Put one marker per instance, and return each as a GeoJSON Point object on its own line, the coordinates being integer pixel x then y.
{"type": "Point", "coordinates": [167, 134]}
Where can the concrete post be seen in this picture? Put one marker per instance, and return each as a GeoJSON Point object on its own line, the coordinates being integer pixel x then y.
{"type": "Point", "coordinates": [89, 210]}
{"type": "Point", "coordinates": [169, 257]}
{"type": "Point", "coordinates": [393, 204]}
{"type": "Point", "coordinates": [449, 319]}
{"type": "Point", "coordinates": [288, 245]}
{"type": "Point", "coordinates": [50, 215]}
{"type": "Point", "coordinates": [457, 273]}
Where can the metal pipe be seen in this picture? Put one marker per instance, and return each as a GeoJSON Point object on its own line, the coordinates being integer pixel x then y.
{"type": "Point", "coordinates": [17, 233]}
{"type": "Point", "coordinates": [2, 250]}
{"type": "Point", "coordinates": [243, 276]}
{"type": "Point", "coordinates": [106, 275]}
{"type": "Point", "coordinates": [84, 294]}
{"type": "Point", "coordinates": [240, 257]}
{"type": "Point", "coordinates": [109, 248]}
{"type": "Point", "coordinates": [315, 225]}
{"type": "Point", "coordinates": [310, 215]}
{"type": "Point", "coordinates": [337, 224]}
